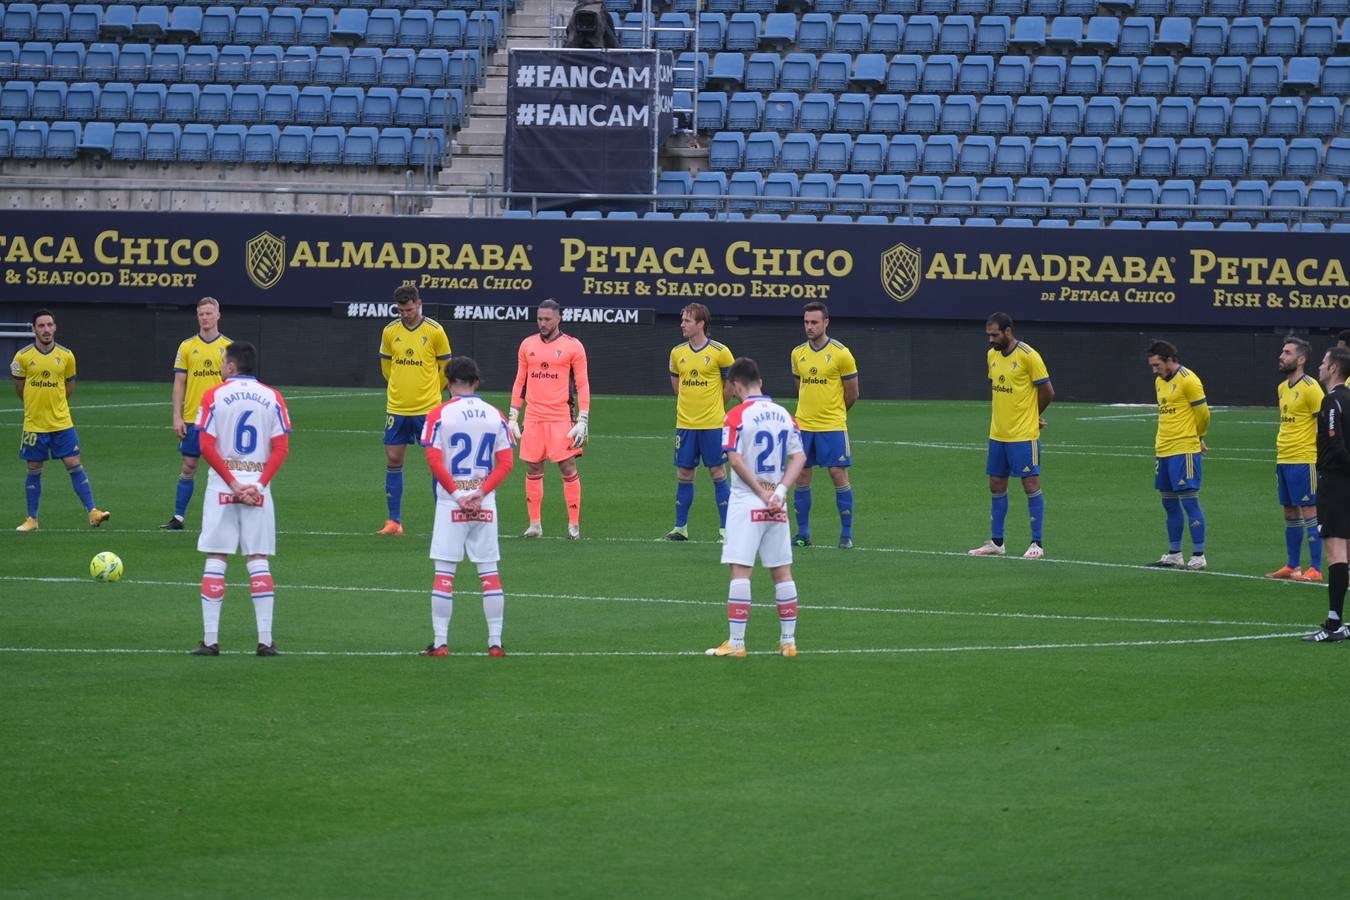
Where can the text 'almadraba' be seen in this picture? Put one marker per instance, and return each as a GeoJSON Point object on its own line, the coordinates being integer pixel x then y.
{"type": "Point", "coordinates": [738, 258]}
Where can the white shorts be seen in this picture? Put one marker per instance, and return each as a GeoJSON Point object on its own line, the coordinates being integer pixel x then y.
{"type": "Point", "coordinates": [456, 533]}
{"type": "Point", "coordinates": [230, 527]}
{"type": "Point", "coordinates": [750, 530]}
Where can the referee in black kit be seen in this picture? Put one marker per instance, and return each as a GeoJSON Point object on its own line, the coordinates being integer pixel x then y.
{"type": "Point", "coordinates": [1333, 490]}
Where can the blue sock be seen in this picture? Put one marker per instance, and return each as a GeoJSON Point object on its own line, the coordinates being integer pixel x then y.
{"type": "Point", "coordinates": [1176, 522]}
{"type": "Point", "coordinates": [684, 498]}
{"type": "Point", "coordinates": [184, 495]}
{"type": "Point", "coordinates": [1293, 542]}
{"type": "Point", "coordinates": [998, 515]}
{"type": "Point", "coordinates": [1314, 543]}
{"type": "Point", "coordinates": [393, 491]}
{"type": "Point", "coordinates": [80, 482]}
{"type": "Point", "coordinates": [843, 499]}
{"type": "Point", "coordinates": [1036, 509]}
{"type": "Point", "coordinates": [801, 501]}
{"type": "Point", "coordinates": [32, 488]}
{"type": "Point", "coordinates": [722, 491]}
{"type": "Point", "coordinates": [1195, 518]}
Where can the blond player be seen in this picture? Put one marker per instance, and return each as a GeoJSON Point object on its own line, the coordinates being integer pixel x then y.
{"type": "Point", "coordinates": [697, 376]}
{"type": "Point", "coordinates": [1300, 399]}
{"type": "Point", "coordinates": [546, 367]}
{"type": "Point", "coordinates": [196, 369]}
{"type": "Point", "coordinates": [765, 452]}
{"type": "Point", "coordinates": [469, 451]}
{"type": "Point", "coordinates": [244, 432]}
{"type": "Point", "coordinates": [44, 379]}
{"type": "Point", "coordinates": [413, 353]}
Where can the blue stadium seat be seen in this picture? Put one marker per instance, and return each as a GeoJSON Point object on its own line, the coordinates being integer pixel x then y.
{"type": "Point", "coordinates": [1158, 156]}
{"type": "Point", "coordinates": [411, 108]}
{"type": "Point", "coordinates": [283, 26]}
{"type": "Point", "coordinates": [923, 194]}
{"type": "Point", "coordinates": [1107, 192]}
{"type": "Point", "coordinates": [482, 30]}
{"type": "Point", "coordinates": [976, 75]}
{"type": "Point", "coordinates": [185, 24]}
{"type": "Point", "coordinates": [958, 196]}
{"type": "Point", "coordinates": [783, 186]}
{"type": "Point", "coordinates": [887, 113]}
{"type": "Point", "coordinates": [728, 72]}
{"type": "Point", "coordinates": [921, 114]}
{"type": "Point", "coordinates": [1102, 116]}
{"type": "Point", "coordinates": [707, 184]}
{"type": "Point", "coordinates": [1194, 157]}
{"type": "Point", "coordinates": [761, 151]}
{"type": "Point", "coordinates": [1048, 154]}
{"type": "Point", "coordinates": [67, 61]}
{"type": "Point", "coordinates": [1304, 74]}
{"type": "Point", "coordinates": [958, 115]}
{"type": "Point", "coordinates": [199, 64]}
{"type": "Point", "coordinates": [1156, 74]}
{"type": "Point", "coordinates": [414, 30]}
{"type": "Point", "coordinates": [1139, 191]}
{"type": "Point", "coordinates": [1211, 116]}
{"type": "Point", "coordinates": [957, 34]}
{"type": "Point", "coordinates": [748, 185]}
{"type": "Point", "coordinates": [869, 153]}
{"type": "Point", "coordinates": [939, 74]}
{"type": "Point", "coordinates": [817, 32]}
{"type": "Point", "coordinates": [1283, 34]}
{"type": "Point", "coordinates": [904, 72]}
{"type": "Point", "coordinates": [213, 105]}
{"type": "Point", "coordinates": [1210, 36]}
{"type": "Point", "coordinates": [217, 28]}
{"type": "Point", "coordinates": [976, 156]}
{"type": "Point", "coordinates": [781, 110]}
{"type": "Point", "coordinates": [817, 112]}
{"type": "Point", "coordinates": [49, 100]}
{"type": "Point", "coordinates": [265, 65]}
{"type": "Point", "coordinates": [316, 27]}
{"type": "Point", "coordinates": [1137, 34]}
{"type": "Point", "coordinates": [431, 67]}
{"type": "Point", "coordinates": [814, 190]}
{"type": "Point", "coordinates": [1285, 116]}
{"type": "Point", "coordinates": [51, 22]}
{"type": "Point", "coordinates": [358, 148]}
{"type": "Point", "coordinates": [712, 30]}
{"type": "Point", "coordinates": [887, 191]}
{"type": "Point", "coordinates": [994, 195]}
{"type": "Point", "coordinates": [166, 63]}
{"type": "Point", "coordinates": [1011, 75]}
{"type": "Point", "coordinates": [994, 115]}
{"type": "Point", "coordinates": [396, 68]}
{"type": "Point", "coordinates": [1066, 116]}
{"type": "Point", "coordinates": [114, 101]}
{"type": "Point", "coordinates": [1013, 155]}
{"type": "Point", "coordinates": [312, 103]}
{"type": "Point", "coordinates": [798, 152]}
{"type": "Point", "coordinates": [446, 109]}
{"type": "Point", "coordinates": [1304, 159]}
{"type": "Point", "coordinates": [744, 110]}
{"type": "Point", "coordinates": [250, 27]}
{"type": "Point", "coordinates": [161, 142]}
{"type": "Point", "coordinates": [1028, 34]}
{"type": "Point", "coordinates": [1192, 76]}
{"type": "Point", "coordinates": [1192, 225]}
{"type": "Point", "coordinates": [1067, 190]}
{"type": "Point", "coordinates": [260, 144]}
{"type": "Point", "coordinates": [194, 142]}
{"type": "Point", "coordinates": [1174, 35]}
{"type": "Point", "coordinates": [447, 29]}
{"type": "Point", "coordinates": [832, 73]}
{"type": "Point", "coordinates": [742, 30]}
{"type": "Point", "coordinates": [1330, 195]}
{"type": "Point", "coordinates": [712, 111]}
{"type": "Point", "coordinates": [326, 146]}
{"type": "Point", "coordinates": [1048, 75]}
{"type": "Point", "coordinates": [1248, 118]}
{"type": "Point", "coordinates": [82, 100]}
{"type": "Point", "coordinates": [1120, 156]}
{"type": "Point", "coordinates": [1103, 34]}
{"type": "Point", "coordinates": [344, 108]}
{"type": "Point", "coordinates": [118, 20]}
{"type": "Point", "coordinates": [1032, 194]}
{"type": "Point", "coordinates": [853, 188]}
{"type": "Point", "coordinates": [902, 157]}
{"type": "Point", "coordinates": [1230, 157]}
{"type": "Point", "coordinates": [939, 155]}
{"type": "Point", "coordinates": [921, 34]}
{"type": "Point", "coordinates": [279, 104]}
{"type": "Point", "coordinates": [1175, 115]}
{"type": "Point", "coordinates": [30, 140]}
{"type": "Point", "coordinates": [293, 145]}
{"type": "Point", "coordinates": [851, 111]}
{"type": "Point", "coordinates": [1264, 76]}
{"type": "Point", "coordinates": [1084, 156]}
{"type": "Point", "coordinates": [19, 24]}
{"type": "Point", "coordinates": [798, 72]}
{"type": "Point", "coordinates": [1250, 193]}
{"type": "Point", "coordinates": [882, 37]}
{"type": "Point", "coordinates": [231, 65]}
{"type": "Point", "coordinates": [850, 32]}
{"type": "Point", "coordinates": [992, 34]}
{"type": "Point", "coordinates": [1139, 116]}
{"type": "Point", "coordinates": [1120, 76]}
{"type": "Point", "coordinates": [762, 71]}
{"type": "Point", "coordinates": [1338, 158]}
{"type": "Point", "coordinates": [1336, 77]}
{"type": "Point", "coordinates": [691, 70]}
{"type": "Point", "coordinates": [1066, 34]}
{"type": "Point", "coordinates": [227, 144]}
{"type": "Point", "coordinates": [180, 103]}
{"type": "Point", "coordinates": [65, 139]}
{"type": "Point", "coordinates": [1030, 115]}
{"type": "Point", "coordinates": [1322, 118]}
{"type": "Point", "coordinates": [147, 102]}
{"type": "Point", "coordinates": [35, 59]}
{"type": "Point", "coordinates": [350, 25]}
{"type": "Point", "coordinates": [298, 65]}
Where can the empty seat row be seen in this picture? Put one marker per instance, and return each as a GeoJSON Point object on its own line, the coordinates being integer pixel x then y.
{"type": "Point", "coordinates": [162, 142]}
{"type": "Point", "coordinates": [238, 64]}
{"type": "Point", "coordinates": [247, 104]}
{"type": "Point", "coordinates": [1191, 8]}
{"type": "Point", "coordinates": [1020, 155]}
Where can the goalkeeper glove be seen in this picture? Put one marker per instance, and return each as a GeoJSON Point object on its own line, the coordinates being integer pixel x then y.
{"type": "Point", "coordinates": [581, 430]}
{"type": "Point", "coordinates": [513, 424]}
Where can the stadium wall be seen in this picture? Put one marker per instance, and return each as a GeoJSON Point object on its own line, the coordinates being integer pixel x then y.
{"type": "Point", "coordinates": [898, 359]}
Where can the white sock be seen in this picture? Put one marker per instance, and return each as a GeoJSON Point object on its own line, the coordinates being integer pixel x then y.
{"type": "Point", "coordinates": [785, 593]}
{"type": "Point", "coordinates": [213, 582]}
{"type": "Point", "coordinates": [442, 602]}
{"type": "Point", "coordinates": [264, 596]}
{"type": "Point", "coordinates": [739, 592]}
{"type": "Point", "coordinates": [494, 602]}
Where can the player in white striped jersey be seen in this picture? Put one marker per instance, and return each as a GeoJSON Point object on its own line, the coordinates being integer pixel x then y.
{"type": "Point", "coordinates": [244, 430]}
{"type": "Point", "coordinates": [468, 448]}
{"type": "Point", "coordinates": [764, 450]}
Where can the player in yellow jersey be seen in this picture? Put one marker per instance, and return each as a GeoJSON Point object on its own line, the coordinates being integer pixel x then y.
{"type": "Point", "coordinates": [1300, 398]}
{"type": "Point", "coordinates": [413, 353]}
{"type": "Point", "coordinates": [1021, 390]}
{"type": "Point", "coordinates": [196, 369]}
{"type": "Point", "coordinates": [827, 388]}
{"type": "Point", "coordinates": [44, 378]}
{"type": "Point", "coordinates": [698, 369]}
{"type": "Point", "coordinates": [1183, 421]}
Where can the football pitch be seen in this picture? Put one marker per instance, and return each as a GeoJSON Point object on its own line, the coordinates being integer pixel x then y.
{"type": "Point", "coordinates": [1077, 726]}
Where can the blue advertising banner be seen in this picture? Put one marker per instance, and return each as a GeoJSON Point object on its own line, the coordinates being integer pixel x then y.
{"type": "Point", "coordinates": [737, 268]}
{"type": "Point", "coordinates": [586, 121]}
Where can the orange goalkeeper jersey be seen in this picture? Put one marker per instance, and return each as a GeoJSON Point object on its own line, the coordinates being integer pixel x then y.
{"type": "Point", "coordinates": [545, 372]}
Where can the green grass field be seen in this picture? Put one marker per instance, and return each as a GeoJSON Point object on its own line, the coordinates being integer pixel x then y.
{"type": "Point", "coordinates": [1078, 726]}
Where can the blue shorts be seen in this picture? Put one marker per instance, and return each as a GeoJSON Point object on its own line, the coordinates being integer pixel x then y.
{"type": "Point", "coordinates": [1296, 483]}
{"type": "Point", "coordinates": [695, 444]}
{"type": "Point", "coordinates": [1178, 473]}
{"type": "Point", "coordinates": [191, 444]}
{"type": "Point", "coordinates": [40, 446]}
{"type": "Point", "coordinates": [403, 429]}
{"type": "Point", "coordinates": [827, 449]}
{"type": "Point", "coordinates": [1016, 459]}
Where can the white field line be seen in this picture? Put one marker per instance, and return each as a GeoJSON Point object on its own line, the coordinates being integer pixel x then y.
{"type": "Point", "coordinates": [839, 651]}
{"type": "Point", "coordinates": [290, 398]}
{"type": "Point", "coordinates": [672, 601]}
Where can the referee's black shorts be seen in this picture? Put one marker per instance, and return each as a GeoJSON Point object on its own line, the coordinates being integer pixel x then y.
{"type": "Point", "coordinates": [1333, 507]}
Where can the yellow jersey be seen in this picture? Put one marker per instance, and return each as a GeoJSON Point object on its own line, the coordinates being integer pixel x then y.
{"type": "Point", "coordinates": [200, 360]}
{"type": "Point", "coordinates": [700, 370]}
{"type": "Point", "coordinates": [1299, 404]}
{"type": "Point", "coordinates": [1014, 378]}
{"type": "Point", "coordinates": [45, 408]}
{"type": "Point", "coordinates": [413, 363]}
{"type": "Point", "coordinates": [1183, 413]}
{"type": "Point", "coordinates": [820, 378]}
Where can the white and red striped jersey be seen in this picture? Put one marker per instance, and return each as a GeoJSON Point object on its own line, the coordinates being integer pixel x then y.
{"type": "Point", "coordinates": [469, 432]}
{"type": "Point", "coordinates": [243, 415]}
{"type": "Point", "coordinates": [764, 435]}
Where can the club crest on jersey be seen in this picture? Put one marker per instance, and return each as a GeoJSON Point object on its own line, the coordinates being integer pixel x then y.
{"type": "Point", "coordinates": [557, 354]}
{"type": "Point", "coordinates": [265, 259]}
{"type": "Point", "coordinates": [901, 272]}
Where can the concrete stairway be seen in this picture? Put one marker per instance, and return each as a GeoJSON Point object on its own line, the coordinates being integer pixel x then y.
{"type": "Point", "coordinates": [476, 158]}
